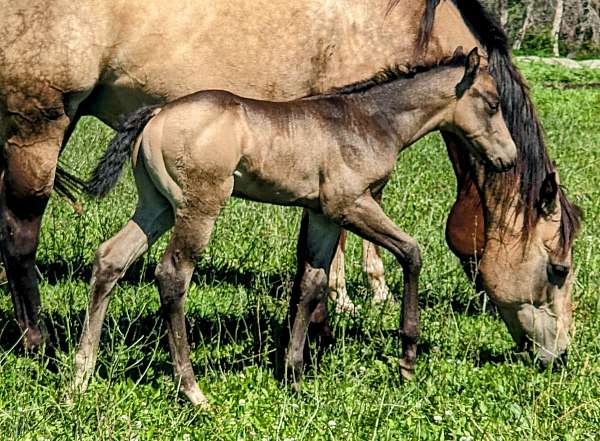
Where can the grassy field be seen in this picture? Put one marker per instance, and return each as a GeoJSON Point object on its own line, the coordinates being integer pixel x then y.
{"type": "Point", "coordinates": [468, 384]}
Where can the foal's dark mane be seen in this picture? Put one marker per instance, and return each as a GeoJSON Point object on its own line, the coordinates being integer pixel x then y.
{"type": "Point", "coordinates": [394, 73]}
{"type": "Point", "coordinates": [533, 163]}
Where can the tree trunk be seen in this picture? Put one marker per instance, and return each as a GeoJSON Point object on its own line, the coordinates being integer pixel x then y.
{"type": "Point", "coordinates": [503, 12]}
{"type": "Point", "coordinates": [526, 23]}
{"type": "Point", "coordinates": [556, 25]}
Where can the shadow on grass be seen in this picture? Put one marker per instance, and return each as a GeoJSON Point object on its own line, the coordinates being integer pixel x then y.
{"type": "Point", "coordinates": [231, 343]}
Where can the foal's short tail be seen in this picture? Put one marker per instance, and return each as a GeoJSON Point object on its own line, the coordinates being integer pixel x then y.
{"type": "Point", "coordinates": [109, 169]}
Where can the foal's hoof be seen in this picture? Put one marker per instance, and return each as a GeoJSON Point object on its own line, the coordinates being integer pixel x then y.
{"type": "Point", "coordinates": [407, 369]}
{"type": "Point", "coordinates": [196, 397]}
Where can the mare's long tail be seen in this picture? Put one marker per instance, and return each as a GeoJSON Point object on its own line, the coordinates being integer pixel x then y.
{"type": "Point", "coordinates": [107, 172]}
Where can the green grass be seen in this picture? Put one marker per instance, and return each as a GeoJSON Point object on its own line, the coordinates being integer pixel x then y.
{"type": "Point", "coordinates": [468, 384]}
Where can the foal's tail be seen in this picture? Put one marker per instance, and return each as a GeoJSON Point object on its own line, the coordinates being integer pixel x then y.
{"type": "Point", "coordinates": [107, 172]}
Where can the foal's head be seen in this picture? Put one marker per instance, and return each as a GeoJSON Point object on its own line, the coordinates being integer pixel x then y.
{"type": "Point", "coordinates": [477, 118]}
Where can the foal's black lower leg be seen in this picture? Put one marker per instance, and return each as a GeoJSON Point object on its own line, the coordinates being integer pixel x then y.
{"type": "Point", "coordinates": [367, 219]}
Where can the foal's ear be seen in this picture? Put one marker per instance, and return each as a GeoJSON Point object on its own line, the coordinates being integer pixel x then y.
{"type": "Point", "coordinates": [471, 67]}
{"type": "Point", "coordinates": [548, 193]}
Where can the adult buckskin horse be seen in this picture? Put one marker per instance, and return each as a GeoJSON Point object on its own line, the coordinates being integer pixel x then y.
{"type": "Point", "coordinates": [62, 60]}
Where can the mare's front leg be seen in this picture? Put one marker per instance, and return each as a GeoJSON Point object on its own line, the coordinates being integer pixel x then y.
{"type": "Point", "coordinates": [30, 153]}
{"type": "Point", "coordinates": [367, 219]}
{"type": "Point", "coordinates": [193, 227]}
{"type": "Point", "coordinates": [316, 247]}
{"type": "Point", "coordinates": [153, 216]}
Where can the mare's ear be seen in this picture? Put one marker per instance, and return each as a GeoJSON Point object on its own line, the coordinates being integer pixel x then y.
{"type": "Point", "coordinates": [548, 193]}
{"type": "Point", "coordinates": [471, 68]}
{"type": "Point", "coordinates": [459, 51]}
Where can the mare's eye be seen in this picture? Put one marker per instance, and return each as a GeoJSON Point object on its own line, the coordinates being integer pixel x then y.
{"type": "Point", "coordinates": [493, 106]}
{"type": "Point", "coordinates": [557, 274]}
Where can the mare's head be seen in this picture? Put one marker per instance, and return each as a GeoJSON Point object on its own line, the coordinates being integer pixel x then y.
{"type": "Point", "coordinates": [476, 116]}
{"type": "Point", "coordinates": [530, 277]}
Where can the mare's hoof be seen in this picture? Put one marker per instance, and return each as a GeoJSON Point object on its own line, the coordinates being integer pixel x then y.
{"type": "Point", "coordinates": [196, 397]}
{"type": "Point", "coordinates": [383, 297]}
{"type": "Point", "coordinates": [407, 369]}
{"type": "Point", "coordinates": [345, 307]}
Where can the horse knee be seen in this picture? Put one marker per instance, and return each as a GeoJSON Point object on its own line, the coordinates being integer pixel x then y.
{"type": "Point", "coordinates": [172, 283]}
{"type": "Point", "coordinates": [107, 265]}
{"type": "Point", "coordinates": [412, 257]}
{"type": "Point", "coordinates": [314, 285]}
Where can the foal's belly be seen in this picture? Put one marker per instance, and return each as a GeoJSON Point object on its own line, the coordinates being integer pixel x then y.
{"type": "Point", "coordinates": [284, 189]}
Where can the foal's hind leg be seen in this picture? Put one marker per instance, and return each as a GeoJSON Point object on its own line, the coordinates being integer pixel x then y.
{"type": "Point", "coordinates": [153, 216]}
{"type": "Point", "coordinates": [193, 227]}
{"type": "Point", "coordinates": [316, 247]}
{"type": "Point", "coordinates": [367, 219]}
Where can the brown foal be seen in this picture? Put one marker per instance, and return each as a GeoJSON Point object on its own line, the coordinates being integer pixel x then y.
{"type": "Point", "coordinates": [331, 154]}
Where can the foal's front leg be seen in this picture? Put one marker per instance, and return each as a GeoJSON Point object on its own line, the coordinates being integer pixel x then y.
{"type": "Point", "coordinates": [372, 266]}
{"type": "Point", "coordinates": [367, 219]}
{"type": "Point", "coordinates": [316, 247]}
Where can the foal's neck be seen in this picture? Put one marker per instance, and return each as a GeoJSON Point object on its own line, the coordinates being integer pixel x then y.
{"type": "Point", "coordinates": [413, 107]}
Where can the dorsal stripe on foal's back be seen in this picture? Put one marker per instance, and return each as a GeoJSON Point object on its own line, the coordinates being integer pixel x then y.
{"type": "Point", "coordinates": [395, 73]}
{"type": "Point", "coordinates": [520, 117]}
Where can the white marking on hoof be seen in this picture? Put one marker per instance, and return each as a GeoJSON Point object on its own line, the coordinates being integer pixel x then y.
{"type": "Point", "coordinates": [196, 397]}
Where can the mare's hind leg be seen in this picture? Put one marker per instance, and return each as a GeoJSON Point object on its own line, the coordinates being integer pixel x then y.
{"type": "Point", "coordinates": [153, 216]}
{"type": "Point", "coordinates": [32, 140]}
{"type": "Point", "coordinates": [193, 228]}
{"type": "Point", "coordinates": [316, 247]}
{"type": "Point", "coordinates": [367, 219]}
{"type": "Point", "coordinates": [338, 292]}
{"type": "Point", "coordinates": [373, 268]}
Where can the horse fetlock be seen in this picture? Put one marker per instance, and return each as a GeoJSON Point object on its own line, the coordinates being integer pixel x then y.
{"type": "Point", "coordinates": [34, 337]}
{"type": "Point", "coordinates": [407, 368]}
{"type": "Point", "coordinates": [343, 304]}
{"type": "Point", "coordinates": [294, 368]}
{"type": "Point", "coordinates": [189, 387]}
{"type": "Point", "coordinates": [83, 369]}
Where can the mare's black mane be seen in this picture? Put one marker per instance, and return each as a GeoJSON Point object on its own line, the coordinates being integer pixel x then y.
{"type": "Point", "coordinates": [533, 163]}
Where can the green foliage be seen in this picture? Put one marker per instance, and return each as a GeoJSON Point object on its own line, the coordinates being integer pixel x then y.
{"type": "Point", "coordinates": [469, 385]}
{"type": "Point", "coordinates": [547, 74]}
